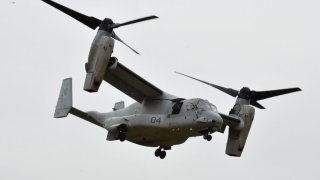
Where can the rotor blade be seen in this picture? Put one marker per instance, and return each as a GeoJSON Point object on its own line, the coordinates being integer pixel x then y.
{"type": "Point", "coordinates": [134, 21]}
{"type": "Point", "coordinates": [91, 22]}
{"type": "Point", "coordinates": [256, 104]}
{"type": "Point", "coordinates": [229, 91]}
{"type": "Point", "coordinates": [117, 38]}
{"type": "Point", "coordinates": [259, 95]}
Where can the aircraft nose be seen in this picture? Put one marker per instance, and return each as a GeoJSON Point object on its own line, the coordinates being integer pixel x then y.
{"type": "Point", "coordinates": [210, 117]}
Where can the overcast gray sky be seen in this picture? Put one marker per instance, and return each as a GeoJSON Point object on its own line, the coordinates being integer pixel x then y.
{"type": "Point", "coordinates": [261, 44]}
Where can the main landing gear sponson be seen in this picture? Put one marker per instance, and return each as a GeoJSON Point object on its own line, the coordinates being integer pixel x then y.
{"type": "Point", "coordinates": [160, 153]}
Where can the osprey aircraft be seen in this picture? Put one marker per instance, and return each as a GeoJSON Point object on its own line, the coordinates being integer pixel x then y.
{"type": "Point", "coordinates": [157, 119]}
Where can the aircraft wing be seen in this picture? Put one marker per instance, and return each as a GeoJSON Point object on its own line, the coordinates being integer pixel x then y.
{"type": "Point", "coordinates": [130, 83]}
{"type": "Point", "coordinates": [230, 120]}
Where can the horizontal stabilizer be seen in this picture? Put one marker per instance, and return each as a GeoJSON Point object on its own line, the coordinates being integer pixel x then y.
{"type": "Point", "coordinates": [85, 116]}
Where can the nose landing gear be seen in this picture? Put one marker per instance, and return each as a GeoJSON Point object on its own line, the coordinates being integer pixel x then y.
{"type": "Point", "coordinates": [207, 137]}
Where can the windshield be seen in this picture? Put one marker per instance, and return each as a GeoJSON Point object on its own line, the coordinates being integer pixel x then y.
{"type": "Point", "coordinates": [206, 105]}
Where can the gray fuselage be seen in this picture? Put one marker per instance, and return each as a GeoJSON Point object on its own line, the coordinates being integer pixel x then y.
{"type": "Point", "coordinates": [162, 122]}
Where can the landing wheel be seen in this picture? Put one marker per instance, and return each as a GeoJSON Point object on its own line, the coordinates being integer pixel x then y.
{"type": "Point", "coordinates": [207, 137]}
{"type": "Point", "coordinates": [163, 154]}
{"type": "Point", "coordinates": [157, 152]}
{"type": "Point", "coordinates": [160, 153]}
{"type": "Point", "coordinates": [122, 137]}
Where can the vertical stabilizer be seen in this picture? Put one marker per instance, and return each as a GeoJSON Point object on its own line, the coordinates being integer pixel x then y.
{"type": "Point", "coordinates": [64, 104]}
{"type": "Point", "coordinates": [118, 106]}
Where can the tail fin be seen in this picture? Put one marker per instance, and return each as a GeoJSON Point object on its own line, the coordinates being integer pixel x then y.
{"type": "Point", "coordinates": [64, 104]}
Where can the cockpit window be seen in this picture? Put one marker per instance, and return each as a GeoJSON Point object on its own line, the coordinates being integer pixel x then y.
{"type": "Point", "coordinates": [177, 107]}
{"type": "Point", "coordinates": [200, 104]}
{"type": "Point", "coordinates": [214, 108]}
{"type": "Point", "coordinates": [206, 105]}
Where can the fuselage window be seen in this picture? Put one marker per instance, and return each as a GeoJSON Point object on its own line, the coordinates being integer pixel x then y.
{"type": "Point", "coordinates": [176, 107]}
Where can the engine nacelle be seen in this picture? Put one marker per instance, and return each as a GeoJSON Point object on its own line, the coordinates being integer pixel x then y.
{"type": "Point", "coordinates": [99, 57]}
{"type": "Point", "coordinates": [238, 136]}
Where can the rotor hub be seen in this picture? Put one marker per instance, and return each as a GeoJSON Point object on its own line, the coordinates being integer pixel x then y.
{"type": "Point", "coordinates": [106, 25]}
{"type": "Point", "coordinates": [245, 93]}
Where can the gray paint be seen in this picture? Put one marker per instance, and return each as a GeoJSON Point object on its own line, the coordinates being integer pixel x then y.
{"type": "Point", "coordinates": [150, 123]}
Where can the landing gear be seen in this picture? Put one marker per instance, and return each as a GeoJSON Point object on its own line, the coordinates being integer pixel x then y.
{"type": "Point", "coordinates": [207, 137]}
{"type": "Point", "coordinates": [157, 152]}
{"type": "Point", "coordinates": [160, 153]}
{"type": "Point", "coordinates": [122, 132]}
{"type": "Point", "coordinates": [163, 154]}
{"type": "Point", "coordinates": [122, 137]}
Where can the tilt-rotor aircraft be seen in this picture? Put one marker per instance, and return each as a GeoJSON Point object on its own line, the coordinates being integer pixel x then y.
{"type": "Point", "coordinates": [156, 119]}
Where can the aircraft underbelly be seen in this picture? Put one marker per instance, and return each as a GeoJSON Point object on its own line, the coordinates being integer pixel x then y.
{"type": "Point", "coordinates": [154, 137]}
{"type": "Point", "coordinates": [163, 133]}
